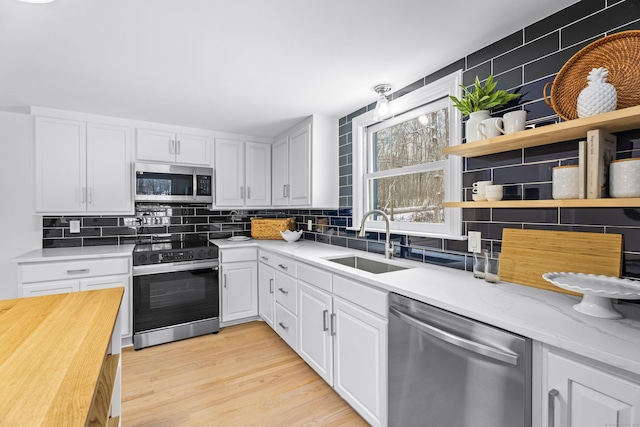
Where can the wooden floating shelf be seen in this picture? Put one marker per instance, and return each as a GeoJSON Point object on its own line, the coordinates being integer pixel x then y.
{"type": "Point", "coordinates": [564, 203]}
{"type": "Point", "coordinates": [614, 121]}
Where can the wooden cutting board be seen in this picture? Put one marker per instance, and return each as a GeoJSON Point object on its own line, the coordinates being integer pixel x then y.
{"type": "Point", "coordinates": [528, 254]}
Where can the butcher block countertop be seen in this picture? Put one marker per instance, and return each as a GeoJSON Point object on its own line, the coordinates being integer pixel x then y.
{"type": "Point", "coordinates": [52, 355]}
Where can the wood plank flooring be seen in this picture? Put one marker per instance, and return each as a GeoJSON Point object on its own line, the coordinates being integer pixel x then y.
{"type": "Point", "coordinates": [243, 376]}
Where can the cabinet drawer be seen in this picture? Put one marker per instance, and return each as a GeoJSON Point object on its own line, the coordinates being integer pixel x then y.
{"type": "Point", "coordinates": [48, 271]}
{"type": "Point", "coordinates": [287, 292]}
{"type": "Point", "coordinates": [266, 258]}
{"type": "Point", "coordinates": [52, 288]}
{"type": "Point", "coordinates": [315, 276]}
{"type": "Point", "coordinates": [362, 295]}
{"type": "Point", "coordinates": [238, 255]}
{"type": "Point", "coordinates": [286, 265]}
{"type": "Point", "coordinates": [286, 326]}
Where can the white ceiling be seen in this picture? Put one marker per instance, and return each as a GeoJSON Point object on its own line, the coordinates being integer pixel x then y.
{"type": "Point", "coordinates": [250, 67]}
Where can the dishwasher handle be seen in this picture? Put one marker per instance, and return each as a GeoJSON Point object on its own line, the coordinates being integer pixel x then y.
{"type": "Point", "coordinates": [482, 349]}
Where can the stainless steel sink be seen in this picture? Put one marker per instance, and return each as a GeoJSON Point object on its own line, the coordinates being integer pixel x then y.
{"type": "Point", "coordinates": [375, 267]}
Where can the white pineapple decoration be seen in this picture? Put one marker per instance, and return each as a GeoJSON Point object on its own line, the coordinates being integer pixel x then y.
{"type": "Point", "coordinates": [599, 96]}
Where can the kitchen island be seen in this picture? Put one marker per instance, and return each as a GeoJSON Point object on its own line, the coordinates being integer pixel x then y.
{"type": "Point", "coordinates": [59, 363]}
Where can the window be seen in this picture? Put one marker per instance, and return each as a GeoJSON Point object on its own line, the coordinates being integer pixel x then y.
{"type": "Point", "coordinates": [399, 167]}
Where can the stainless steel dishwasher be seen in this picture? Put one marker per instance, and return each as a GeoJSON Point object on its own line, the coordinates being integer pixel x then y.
{"type": "Point", "coordinates": [448, 370]}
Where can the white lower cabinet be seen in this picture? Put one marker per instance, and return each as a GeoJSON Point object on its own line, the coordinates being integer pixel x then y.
{"type": "Point", "coordinates": [360, 355]}
{"type": "Point", "coordinates": [286, 300]}
{"type": "Point", "coordinates": [579, 393]}
{"type": "Point", "coordinates": [266, 296]}
{"type": "Point", "coordinates": [342, 335]}
{"type": "Point", "coordinates": [48, 278]}
{"type": "Point", "coordinates": [239, 284]}
{"type": "Point", "coordinates": [239, 291]}
{"type": "Point", "coordinates": [314, 329]}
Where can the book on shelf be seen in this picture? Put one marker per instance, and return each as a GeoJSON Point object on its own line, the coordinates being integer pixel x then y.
{"type": "Point", "coordinates": [582, 169]}
{"type": "Point", "coordinates": [601, 150]}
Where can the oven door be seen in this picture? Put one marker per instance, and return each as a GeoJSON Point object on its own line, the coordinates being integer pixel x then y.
{"type": "Point", "coordinates": [177, 296]}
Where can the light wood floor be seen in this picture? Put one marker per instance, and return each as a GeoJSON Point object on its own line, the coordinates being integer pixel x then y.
{"type": "Point", "coordinates": [243, 376]}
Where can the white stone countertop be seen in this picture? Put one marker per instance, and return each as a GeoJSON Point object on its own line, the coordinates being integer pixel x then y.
{"type": "Point", "coordinates": [70, 254]}
{"type": "Point", "coordinates": [539, 314]}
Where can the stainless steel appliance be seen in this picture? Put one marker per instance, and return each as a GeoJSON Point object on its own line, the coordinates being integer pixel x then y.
{"type": "Point", "coordinates": [173, 183]}
{"type": "Point", "coordinates": [175, 292]}
{"type": "Point", "coordinates": [448, 370]}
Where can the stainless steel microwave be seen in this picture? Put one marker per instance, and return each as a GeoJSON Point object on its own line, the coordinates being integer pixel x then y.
{"type": "Point", "coordinates": [172, 183]}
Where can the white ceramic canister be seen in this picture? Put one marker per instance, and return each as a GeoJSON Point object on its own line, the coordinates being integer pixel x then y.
{"type": "Point", "coordinates": [624, 178]}
{"type": "Point", "coordinates": [565, 182]}
{"type": "Point", "coordinates": [472, 126]}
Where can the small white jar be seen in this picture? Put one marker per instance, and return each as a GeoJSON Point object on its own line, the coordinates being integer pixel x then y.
{"type": "Point", "coordinates": [565, 182]}
{"type": "Point", "coordinates": [624, 178]}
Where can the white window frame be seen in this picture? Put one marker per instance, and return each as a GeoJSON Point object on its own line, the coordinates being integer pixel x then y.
{"type": "Point", "coordinates": [452, 226]}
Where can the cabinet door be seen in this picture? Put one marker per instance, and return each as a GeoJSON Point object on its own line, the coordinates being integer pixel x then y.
{"type": "Point", "coordinates": [125, 305]}
{"type": "Point", "coordinates": [109, 169]}
{"type": "Point", "coordinates": [361, 360]}
{"type": "Point", "coordinates": [154, 145]}
{"type": "Point", "coordinates": [239, 291]}
{"type": "Point", "coordinates": [50, 288]}
{"type": "Point", "coordinates": [266, 296]}
{"type": "Point", "coordinates": [229, 158]}
{"type": "Point", "coordinates": [280, 172]}
{"type": "Point", "coordinates": [300, 167]}
{"type": "Point", "coordinates": [315, 343]}
{"type": "Point", "coordinates": [588, 397]}
{"type": "Point", "coordinates": [193, 149]}
{"type": "Point", "coordinates": [258, 174]}
{"type": "Point", "coordinates": [60, 166]}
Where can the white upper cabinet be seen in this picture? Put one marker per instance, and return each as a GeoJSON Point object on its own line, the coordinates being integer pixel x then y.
{"type": "Point", "coordinates": [161, 146]}
{"type": "Point", "coordinates": [257, 174]}
{"type": "Point", "coordinates": [305, 164]}
{"type": "Point", "coordinates": [109, 168]}
{"type": "Point", "coordinates": [82, 167]}
{"type": "Point", "coordinates": [243, 173]}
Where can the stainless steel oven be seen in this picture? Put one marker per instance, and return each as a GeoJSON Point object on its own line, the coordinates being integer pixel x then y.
{"type": "Point", "coordinates": [175, 294]}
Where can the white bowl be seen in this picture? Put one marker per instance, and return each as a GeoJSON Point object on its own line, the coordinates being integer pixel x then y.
{"type": "Point", "coordinates": [291, 236]}
{"type": "Point", "coordinates": [479, 197]}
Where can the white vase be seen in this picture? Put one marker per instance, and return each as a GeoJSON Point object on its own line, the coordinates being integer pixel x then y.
{"type": "Point", "coordinates": [471, 127]}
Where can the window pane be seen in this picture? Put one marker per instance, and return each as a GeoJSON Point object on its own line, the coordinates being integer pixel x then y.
{"type": "Point", "coordinates": [413, 197]}
{"type": "Point", "coordinates": [416, 141]}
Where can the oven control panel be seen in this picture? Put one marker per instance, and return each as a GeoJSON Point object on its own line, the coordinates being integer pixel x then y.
{"type": "Point", "coordinates": [177, 256]}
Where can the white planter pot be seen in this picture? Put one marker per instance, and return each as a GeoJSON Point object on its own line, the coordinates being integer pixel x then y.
{"type": "Point", "coordinates": [471, 127]}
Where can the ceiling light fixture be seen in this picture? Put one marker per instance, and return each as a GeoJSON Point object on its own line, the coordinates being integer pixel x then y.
{"type": "Point", "coordinates": [383, 108]}
{"type": "Point", "coordinates": [36, 1]}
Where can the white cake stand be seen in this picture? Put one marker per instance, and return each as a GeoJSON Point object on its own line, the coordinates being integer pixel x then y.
{"type": "Point", "coordinates": [597, 292]}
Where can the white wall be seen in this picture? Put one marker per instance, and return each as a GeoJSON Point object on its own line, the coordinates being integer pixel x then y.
{"type": "Point", "coordinates": [20, 229]}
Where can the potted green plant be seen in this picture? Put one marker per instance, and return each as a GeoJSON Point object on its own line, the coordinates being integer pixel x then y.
{"type": "Point", "coordinates": [478, 102]}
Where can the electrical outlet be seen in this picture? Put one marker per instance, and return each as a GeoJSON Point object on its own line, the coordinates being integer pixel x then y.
{"type": "Point", "coordinates": [74, 226]}
{"type": "Point", "coordinates": [474, 241]}
{"type": "Point", "coordinates": [309, 225]}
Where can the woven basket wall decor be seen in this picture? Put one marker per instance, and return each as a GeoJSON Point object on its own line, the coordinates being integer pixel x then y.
{"type": "Point", "coordinates": [619, 53]}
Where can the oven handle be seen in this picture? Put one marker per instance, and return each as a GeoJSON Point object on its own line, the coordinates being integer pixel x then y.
{"type": "Point", "coordinates": [143, 270]}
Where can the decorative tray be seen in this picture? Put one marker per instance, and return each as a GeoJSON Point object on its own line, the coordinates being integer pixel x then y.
{"type": "Point", "coordinates": [619, 53]}
{"type": "Point", "coordinates": [597, 291]}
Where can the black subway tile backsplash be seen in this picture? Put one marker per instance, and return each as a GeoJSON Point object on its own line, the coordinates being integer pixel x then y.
{"type": "Point", "coordinates": [524, 61]}
{"type": "Point", "coordinates": [563, 18]}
